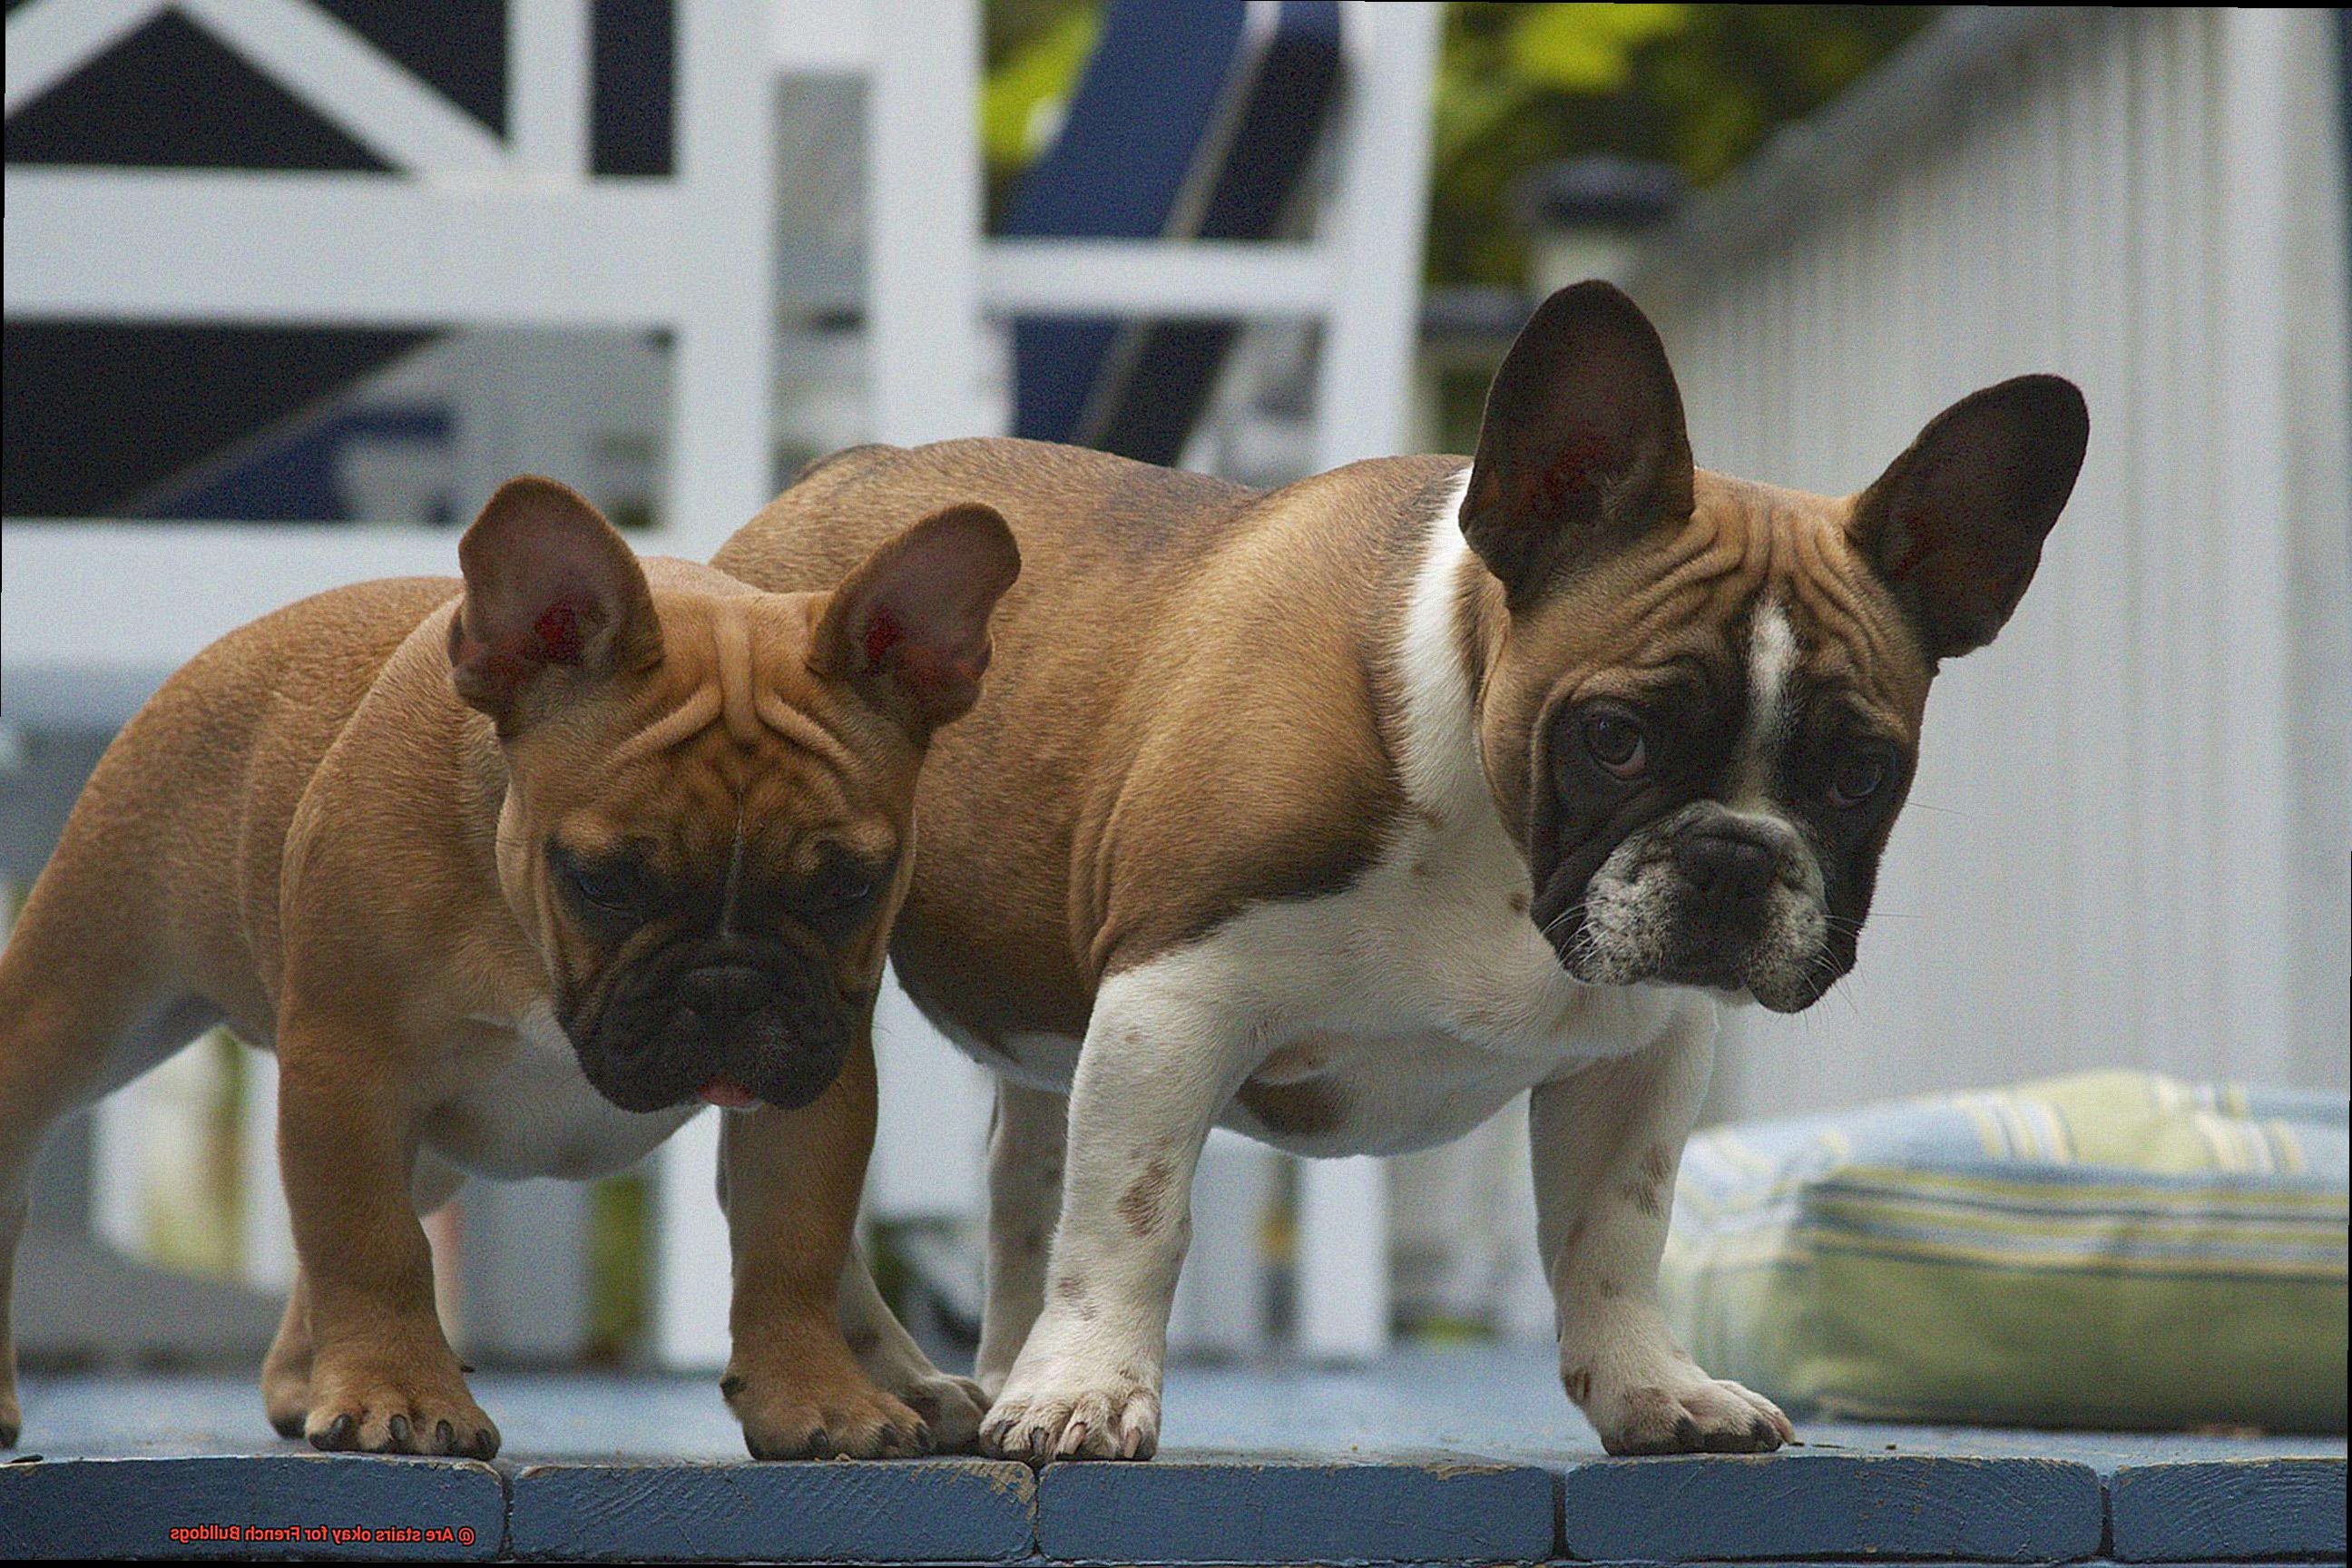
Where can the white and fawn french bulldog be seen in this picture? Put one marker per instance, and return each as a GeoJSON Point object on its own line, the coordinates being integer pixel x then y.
{"type": "Point", "coordinates": [514, 875]}
{"type": "Point", "coordinates": [1340, 815]}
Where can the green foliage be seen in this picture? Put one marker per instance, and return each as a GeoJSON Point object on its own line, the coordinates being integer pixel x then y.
{"type": "Point", "coordinates": [1700, 87]}
{"type": "Point", "coordinates": [1040, 66]}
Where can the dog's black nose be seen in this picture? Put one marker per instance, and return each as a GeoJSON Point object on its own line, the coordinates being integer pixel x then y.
{"type": "Point", "coordinates": [723, 991]}
{"type": "Point", "coordinates": [1730, 873]}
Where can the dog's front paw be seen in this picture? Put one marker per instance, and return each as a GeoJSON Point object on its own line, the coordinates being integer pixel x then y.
{"type": "Point", "coordinates": [1035, 1420]}
{"type": "Point", "coordinates": [1692, 1415]}
{"type": "Point", "coordinates": [376, 1408]}
{"type": "Point", "coordinates": [788, 1417]}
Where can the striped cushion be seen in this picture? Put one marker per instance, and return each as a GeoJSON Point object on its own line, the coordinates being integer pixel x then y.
{"type": "Point", "coordinates": [2108, 1249]}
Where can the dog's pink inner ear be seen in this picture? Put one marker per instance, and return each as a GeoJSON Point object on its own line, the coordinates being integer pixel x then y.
{"type": "Point", "coordinates": [549, 585]}
{"type": "Point", "coordinates": [910, 623]}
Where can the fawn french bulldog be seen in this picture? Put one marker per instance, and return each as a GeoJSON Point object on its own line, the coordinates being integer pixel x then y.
{"type": "Point", "coordinates": [516, 875]}
{"type": "Point", "coordinates": [1342, 814]}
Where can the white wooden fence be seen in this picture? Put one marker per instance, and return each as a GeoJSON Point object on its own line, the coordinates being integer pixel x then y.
{"type": "Point", "coordinates": [2127, 839]}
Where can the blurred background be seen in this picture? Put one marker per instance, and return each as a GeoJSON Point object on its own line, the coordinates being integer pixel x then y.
{"type": "Point", "coordinates": [292, 285]}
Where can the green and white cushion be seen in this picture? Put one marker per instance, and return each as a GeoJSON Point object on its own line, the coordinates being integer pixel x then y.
{"type": "Point", "coordinates": [2102, 1250]}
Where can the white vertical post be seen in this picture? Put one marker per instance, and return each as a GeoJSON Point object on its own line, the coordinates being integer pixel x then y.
{"type": "Point", "coordinates": [1220, 1307]}
{"type": "Point", "coordinates": [1374, 229]}
{"type": "Point", "coordinates": [1343, 1258]}
{"type": "Point", "coordinates": [523, 1252]}
{"type": "Point", "coordinates": [922, 206]}
{"type": "Point", "coordinates": [548, 47]}
{"type": "Point", "coordinates": [2258, 660]}
{"type": "Point", "coordinates": [264, 1225]}
{"type": "Point", "coordinates": [693, 1268]}
{"type": "Point", "coordinates": [721, 450]}
{"type": "Point", "coordinates": [118, 1162]}
{"type": "Point", "coordinates": [525, 400]}
{"type": "Point", "coordinates": [930, 1140]}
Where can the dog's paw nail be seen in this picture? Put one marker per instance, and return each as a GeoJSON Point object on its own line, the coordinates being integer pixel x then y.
{"type": "Point", "coordinates": [730, 1386]}
{"type": "Point", "coordinates": [820, 1445]}
{"type": "Point", "coordinates": [398, 1427]}
{"type": "Point", "coordinates": [485, 1443]}
{"type": "Point", "coordinates": [337, 1436]}
{"type": "Point", "coordinates": [444, 1438]}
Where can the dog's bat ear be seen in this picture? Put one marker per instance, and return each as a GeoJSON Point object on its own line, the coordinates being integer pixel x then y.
{"type": "Point", "coordinates": [1583, 447]}
{"type": "Point", "coordinates": [909, 624]}
{"type": "Point", "coordinates": [550, 587]}
{"type": "Point", "coordinates": [1954, 525]}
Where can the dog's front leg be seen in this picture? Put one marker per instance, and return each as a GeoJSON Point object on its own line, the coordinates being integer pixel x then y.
{"type": "Point", "coordinates": [1160, 1060]}
{"type": "Point", "coordinates": [383, 1378]}
{"type": "Point", "coordinates": [1606, 1141]}
{"type": "Point", "coordinates": [790, 1182]}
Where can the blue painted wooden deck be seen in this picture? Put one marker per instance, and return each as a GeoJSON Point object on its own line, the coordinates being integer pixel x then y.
{"type": "Point", "coordinates": [1438, 1456]}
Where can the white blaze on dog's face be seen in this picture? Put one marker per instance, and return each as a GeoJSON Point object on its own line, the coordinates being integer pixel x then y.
{"type": "Point", "coordinates": [1704, 716]}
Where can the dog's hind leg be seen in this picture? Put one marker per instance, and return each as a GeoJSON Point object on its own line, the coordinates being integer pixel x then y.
{"type": "Point", "coordinates": [83, 1011]}
{"type": "Point", "coordinates": [951, 1406]}
{"type": "Point", "coordinates": [286, 1371]}
{"type": "Point", "coordinates": [1026, 1145]}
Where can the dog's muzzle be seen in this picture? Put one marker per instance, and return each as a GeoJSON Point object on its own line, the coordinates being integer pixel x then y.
{"type": "Point", "coordinates": [770, 1021]}
{"type": "Point", "coordinates": [1708, 897]}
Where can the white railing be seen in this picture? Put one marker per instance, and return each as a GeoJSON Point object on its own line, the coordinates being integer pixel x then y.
{"type": "Point", "coordinates": [2128, 840]}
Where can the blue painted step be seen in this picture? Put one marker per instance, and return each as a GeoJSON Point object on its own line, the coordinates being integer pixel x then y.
{"type": "Point", "coordinates": [288, 1503]}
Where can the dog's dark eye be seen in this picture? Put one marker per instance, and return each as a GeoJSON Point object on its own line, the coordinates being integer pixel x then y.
{"type": "Point", "coordinates": [613, 887]}
{"type": "Point", "coordinates": [1617, 743]}
{"type": "Point", "coordinates": [840, 888]}
{"type": "Point", "coordinates": [842, 885]}
{"type": "Point", "coordinates": [1858, 776]}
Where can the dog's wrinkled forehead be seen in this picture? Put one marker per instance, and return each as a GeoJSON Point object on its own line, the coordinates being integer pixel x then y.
{"type": "Point", "coordinates": [731, 722]}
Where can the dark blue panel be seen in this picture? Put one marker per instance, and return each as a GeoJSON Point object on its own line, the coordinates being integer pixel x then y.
{"type": "Point", "coordinates": [1135, 126]}
{"type": "Point", "coordinates": [1170, 367]}
{"type": "Point", "coordinates": [293, 478]}
{"type": "Point", "coordinates": [1242, 1510]}
{"type": "Point", "coordinates": [338, 1505]}
{"type": "Point", "coordinates": [2228, 1508]}
{"type": "Point", "coordinates": [903, 1510]}
{"type": "Point", "coordinates": [1187, 123]}
{"type": "Point", "coordinates": [1799, 1504]}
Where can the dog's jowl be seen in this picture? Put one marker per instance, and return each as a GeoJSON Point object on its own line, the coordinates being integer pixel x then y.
{"type": "Point", "coordinates": [514, 875]}
{"type": "Point", "coordinates": [1344, 813]}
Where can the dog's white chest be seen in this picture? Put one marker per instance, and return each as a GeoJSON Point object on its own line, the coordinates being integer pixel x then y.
{"type": "Point", "coordinates": [526, 1110]}
{"type": "Point", "coordinates": [1412, 1006]}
